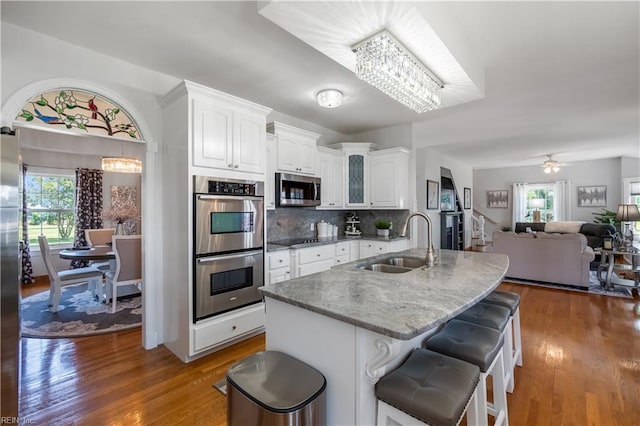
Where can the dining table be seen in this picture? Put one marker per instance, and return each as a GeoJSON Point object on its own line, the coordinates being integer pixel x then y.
{"type": "Point", "coordinates": [94, 253]}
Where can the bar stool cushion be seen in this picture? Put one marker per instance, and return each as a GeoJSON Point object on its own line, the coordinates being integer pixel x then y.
{"type": "Point", "coordinates": [430, 386]}
{"type": "Point", "coordinates": [504, 298]}
{"type": "Point", "coordinates": [470, 342]}
{"type": "Point", "coordinates": [487, 314]}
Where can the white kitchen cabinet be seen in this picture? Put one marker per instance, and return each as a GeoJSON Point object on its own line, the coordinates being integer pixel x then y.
{"type": "Point", "coordinates": [354, 250]}
{"type": "Point", "coordinates": [331, 167]}
{"type": "Point", "coordinates": [297, 150]}
{"type": "Point", "coordinates": [205, 132]}
{"type": "Point", "coordinates": [342, 252]}
{"type": "Point", "coordinates": [389, 178]}
{"type": "Point", "coordinates": [278, 266]}
{"type": "Point", "coordinates": [225, 135]}
{"type": "Point", "coordinates": [357, 175]}
{"type": "Point", "coordinates": [313, 259]}
{"type": "Point", "coordinates": [370, 248]}
{"type": "Point", "coordinates": [270, 175]}
{"type": "Point", "coordinates": [227, 327]}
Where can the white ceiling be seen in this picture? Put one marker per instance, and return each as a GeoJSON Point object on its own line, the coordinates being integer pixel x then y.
{"type": "Point", "coordinates": [559, 78]}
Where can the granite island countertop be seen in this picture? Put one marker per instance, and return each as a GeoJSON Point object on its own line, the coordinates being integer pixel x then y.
{"type": "Point", "coordinates": [401, 306]}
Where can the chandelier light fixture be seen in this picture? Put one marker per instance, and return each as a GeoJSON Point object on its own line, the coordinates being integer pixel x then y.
{"type": "Point", "coordinates": [329, 98]}
{"type": "Point", "coordinates": [387, 65]}
{"type": "Point", "coordinates": [121, 165]}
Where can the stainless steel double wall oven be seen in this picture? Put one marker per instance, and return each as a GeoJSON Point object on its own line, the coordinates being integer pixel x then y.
{"type": "Point", "coordinates": [228, 244]}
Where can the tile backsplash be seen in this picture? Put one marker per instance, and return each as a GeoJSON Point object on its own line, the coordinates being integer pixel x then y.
{"type": "Point", "coordinates": [285, 223]}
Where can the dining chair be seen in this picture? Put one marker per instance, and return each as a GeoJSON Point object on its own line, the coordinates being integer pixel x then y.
{"type": "Point", "coordinates": [128, 270]}
{"type": "Point", "coordinates": [99, 237]}
{"type": "Point", "coordinates": [57, 279]}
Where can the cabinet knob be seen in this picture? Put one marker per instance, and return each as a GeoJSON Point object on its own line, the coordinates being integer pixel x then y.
{"type": "Point", "coordinates": [235, 167]}
{"type": "Point", "coordinates": [280, 260]}
{"type": "Point", "coordinates": [318, 254]}
{"type": "Point", "coordinates": [233, 327]}
{"type": "Point", "coordinates": [230, 165]}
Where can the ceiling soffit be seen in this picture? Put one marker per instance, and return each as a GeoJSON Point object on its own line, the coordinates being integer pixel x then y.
{"type": "Point", "coordinates": [334, 27]}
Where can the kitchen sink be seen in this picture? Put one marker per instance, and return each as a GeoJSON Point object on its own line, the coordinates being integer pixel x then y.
{"type": "Point", "coordinates": [407, 262]}
{"type": "Point", "coordinates": [394, 264]}
{"type": "Point", "coordinates": [383, 267]}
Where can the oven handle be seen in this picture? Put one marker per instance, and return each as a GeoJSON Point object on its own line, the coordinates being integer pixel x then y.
{"type": "Point", "coordinates": [228, 197]}
{"type": "Point", "coordinates": [229, 257]}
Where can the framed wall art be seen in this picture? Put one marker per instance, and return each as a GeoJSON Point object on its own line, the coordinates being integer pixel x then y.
{"type": "Point", "coordinates": [498, 199]}
{"type": "Point", "coordinates": [467, 198]}
{"type": "Point", "coordinates": [592, 196]}
{"type": "Point", "coordinates": [433, 195]}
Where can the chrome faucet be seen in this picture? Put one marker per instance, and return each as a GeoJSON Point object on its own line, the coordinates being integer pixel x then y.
{"type": "Point", "coordinates": [431, 253]}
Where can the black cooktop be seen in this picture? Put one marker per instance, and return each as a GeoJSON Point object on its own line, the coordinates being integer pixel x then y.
{"type": "Point", "coordinates": [295, 241]}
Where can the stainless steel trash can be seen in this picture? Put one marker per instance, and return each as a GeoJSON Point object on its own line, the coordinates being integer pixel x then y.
{"type": "Point", "coordinates": [274, 389]}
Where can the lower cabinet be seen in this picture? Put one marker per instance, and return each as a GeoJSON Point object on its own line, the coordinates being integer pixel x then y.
{"type": "Point", "coordinates": [278, 267]}
{"type": "Point", "coordinates": [226, 327]}
{"type": "Point", "coordinates": [370, 248]}
{"type": "Point", "coordinates": [313, 259]}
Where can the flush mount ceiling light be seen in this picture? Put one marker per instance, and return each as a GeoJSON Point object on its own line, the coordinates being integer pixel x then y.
{"type": "Point", "coordinates": [121, 165]}
{"type": "Point", "coordinates": [329, 98]}
{"type": "Point", "coordinates": [387, 65]}
{"type": "Point", "coordinates": [551, 166]}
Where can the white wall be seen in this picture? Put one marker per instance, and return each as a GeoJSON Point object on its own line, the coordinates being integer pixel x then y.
{"type": "Point", "coordinates": [428, 163]}
{"type": "Point", "coordinates": [583, 173]}
{"type": "Point", "coordinates": [400, 135]}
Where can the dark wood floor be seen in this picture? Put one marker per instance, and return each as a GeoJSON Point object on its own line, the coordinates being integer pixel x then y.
{"type": "Point", "coordinates": [581, 367]}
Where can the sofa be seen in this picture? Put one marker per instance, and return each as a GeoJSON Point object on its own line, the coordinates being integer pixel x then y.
{"type": "Point", "coordinates": [594, 232]}
{"type": "Point", "coordinates": [540, 256]}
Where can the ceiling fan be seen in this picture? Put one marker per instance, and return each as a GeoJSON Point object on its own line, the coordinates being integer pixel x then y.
{"type": "Point", "coordinates": [551, 165]}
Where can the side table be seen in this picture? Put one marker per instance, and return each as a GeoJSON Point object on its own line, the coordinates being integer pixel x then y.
{"type": "Point", "coordinates": [608, 265]}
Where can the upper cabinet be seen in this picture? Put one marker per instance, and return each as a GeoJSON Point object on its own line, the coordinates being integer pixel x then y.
{"type": "Point", "coordinates": [297, 149]}
{"type": "Point", "coordinates": [373, 179]}
{"type": "Point", "coordinates": [225, 132]}
{"type": "Point", "coordinates": [389, 178]}
{"type": "Point", "coordinates": [331, 166]}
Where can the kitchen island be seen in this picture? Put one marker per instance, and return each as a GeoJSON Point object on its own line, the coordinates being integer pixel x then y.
{"type": "Point", "coordinates": [354, 325]}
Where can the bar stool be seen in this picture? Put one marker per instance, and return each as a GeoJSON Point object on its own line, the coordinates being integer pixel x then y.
{"type": "Point", "coordinates": [512, 301]}
{"type": "Point", "coordinates": [430, 387]}
{"type": "Point", "coordinates": [481, 346]}
{"type": "Point", "coordinates": [496, 317]}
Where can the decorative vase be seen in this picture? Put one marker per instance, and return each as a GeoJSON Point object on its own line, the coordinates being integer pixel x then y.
{"type": "Point", "coordinates": [383, 232]}
{"type": "Point", "coordinates": [119, 229]}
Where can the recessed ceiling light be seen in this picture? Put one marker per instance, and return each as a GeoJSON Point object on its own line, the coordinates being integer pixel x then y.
{"type": "Point", "coordinates": [329, 98]}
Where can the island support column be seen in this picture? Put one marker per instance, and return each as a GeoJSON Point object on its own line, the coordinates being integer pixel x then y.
{"type": "Point", "coordinates": [351, 358]}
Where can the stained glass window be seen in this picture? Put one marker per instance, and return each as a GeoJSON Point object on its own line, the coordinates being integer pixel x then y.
{"type": "Point", "coordinates": [79, 111]}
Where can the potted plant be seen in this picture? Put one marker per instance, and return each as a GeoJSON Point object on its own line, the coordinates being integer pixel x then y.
{"type": "Point", "coordinates": [383, 227]}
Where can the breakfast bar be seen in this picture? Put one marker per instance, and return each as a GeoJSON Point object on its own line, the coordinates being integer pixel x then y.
{"type": "Point", "coordinates": [354, 324]}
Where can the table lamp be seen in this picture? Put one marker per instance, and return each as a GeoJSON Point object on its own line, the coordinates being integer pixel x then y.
{"type": "Point", "coordinates": [626, 214]}
{"type": "Point", "coordinates": [536, 203]}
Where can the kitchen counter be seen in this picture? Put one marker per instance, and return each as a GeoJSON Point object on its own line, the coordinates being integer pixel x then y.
{"type": "Point", "coordinates": [401, 306]}
{"type": "Point", "coordinates": [312, 242]}
{"type": "Point", "coordinates": [355, 325]}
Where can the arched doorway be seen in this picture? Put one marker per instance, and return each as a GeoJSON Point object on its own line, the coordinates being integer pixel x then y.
{"type": "Point", "coordinates": [81, 118]}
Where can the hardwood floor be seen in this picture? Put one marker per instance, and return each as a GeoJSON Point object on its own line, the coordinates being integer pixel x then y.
{"type": "Point", "coordinates": [581, 367]}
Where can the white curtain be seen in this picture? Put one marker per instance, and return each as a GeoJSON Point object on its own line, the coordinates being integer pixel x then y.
{"type": "Point", "coordinates": [562, 192]}
{"type": "Point", "coordinates": [519, 202]}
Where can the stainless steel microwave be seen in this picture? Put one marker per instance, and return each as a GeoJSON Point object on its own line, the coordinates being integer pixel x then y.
{"type": "Point", "coordinates": [297, 191]}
